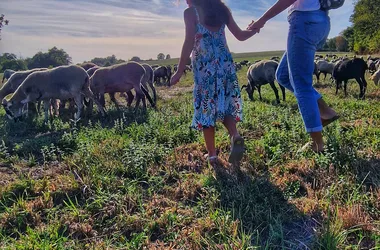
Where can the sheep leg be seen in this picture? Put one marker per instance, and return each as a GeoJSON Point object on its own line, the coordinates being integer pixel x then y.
{"type": "Point", "coordinates": [130, 97]}
{"type": "Point", "coordinates": [337, 87]}
{"type": "Point", "coordinates": [102, 100]}
{"type": "Point", "coordinates": [113, 99]}
{"type": "Point", "coordinates": [283, 91]}
{"type": "Point", "coordinates": [259, 90]}
{"type": "Point", "coordinates": [46, 110]}
{"type": "Point", "coordinates": [325, 76]}
{"type": "Point", "coordinates": [88, 93]}
{"type": "Point", "coordinates": [361, 85]}
{"type": "Point", "coordinates": [78, 101]}
{"type": "Point", "coordinates": [148, 96]}
{"type": "Point", "coordinates": [55, 103]}
{"type": "Point", "coordinates": [345, 88]}
{"type": "Point", "coordinates": [153, 90]}
{"type": "Point", "coordinates": [364, 85]}
{"type": "Point", "coordinates": [275, 91]}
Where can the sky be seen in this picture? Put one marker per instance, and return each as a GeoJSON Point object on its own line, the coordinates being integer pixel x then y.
{"type": "Point", "coordinates": [126, 28]}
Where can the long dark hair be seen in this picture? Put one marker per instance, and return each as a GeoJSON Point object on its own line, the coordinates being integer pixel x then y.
{"type": "Point", "coordinates": [215, 12]}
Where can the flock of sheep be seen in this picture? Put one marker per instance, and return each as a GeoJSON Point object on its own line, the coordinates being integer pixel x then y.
{"type": "Point", "coordinates": [75, 83]}
{"type": "Point", "coordinates": [341, 70]}
{"type": "Point", "coordinates": [87, 83]}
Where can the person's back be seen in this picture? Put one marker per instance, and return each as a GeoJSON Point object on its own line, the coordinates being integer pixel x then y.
{"type": "Point", "coordinates": [304, 5]}
{"type": "Point", "coordinates": [216, 89]}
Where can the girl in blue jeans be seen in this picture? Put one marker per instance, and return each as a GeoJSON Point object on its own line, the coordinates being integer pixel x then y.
{"type": "Point", "coordinates": [309, 27]}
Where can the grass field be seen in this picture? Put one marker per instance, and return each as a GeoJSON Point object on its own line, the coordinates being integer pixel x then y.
{"type": "Point", "coordinates": [250, 56]}
{"type": "Point", "coordinates": [140, 180]}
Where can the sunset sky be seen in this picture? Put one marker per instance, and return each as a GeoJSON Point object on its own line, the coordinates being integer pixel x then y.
{"type": "Point", "coordinates": [126, 28]}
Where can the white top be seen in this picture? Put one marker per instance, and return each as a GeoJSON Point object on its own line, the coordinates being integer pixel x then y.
{"type": "Point", "coordinates": [304, 5]}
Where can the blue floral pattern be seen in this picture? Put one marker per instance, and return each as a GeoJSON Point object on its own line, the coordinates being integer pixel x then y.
{"type": "Point", "coordinates": [216, 88]}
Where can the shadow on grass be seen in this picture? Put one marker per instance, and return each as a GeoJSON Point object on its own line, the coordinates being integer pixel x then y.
{"type": "Point", "coordinates": [264, 212]}
{"type": "Point", "coordinates": [29, 136]}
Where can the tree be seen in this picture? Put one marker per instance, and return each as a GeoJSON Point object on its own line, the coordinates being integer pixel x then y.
{"type": "Point", "coordinates": [348, 34]}
{"type": "Point", "coordinates": [10, 61]}
{"type": "Point", "coordinates": [161, 56]}
{"type": "Point", "coordinates": [168, 56]}
{"type": "Point", "coordinates": [341, 44]}
{"type": "Point", "coordinates": [3, 22]}
{"type": "Point", "coordinates": [366, 25]}
{"type": "Point", "coordinates": [331, 43]}
{"type": "Point", "coordinates": [53, 58]}
{"type": "Point", "coordinates": [136, 59]}
{"type": "Point", "coordinates": [109, 60]}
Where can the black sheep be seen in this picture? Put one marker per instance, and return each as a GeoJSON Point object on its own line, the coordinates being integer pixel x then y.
{"type": "Point", "coordinates": [351, 69]}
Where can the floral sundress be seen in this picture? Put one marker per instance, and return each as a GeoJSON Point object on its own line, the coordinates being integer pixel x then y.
{"type": "Point", "coordinates": [216, 88]}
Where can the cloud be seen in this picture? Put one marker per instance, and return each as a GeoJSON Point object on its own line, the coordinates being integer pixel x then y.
{"type": "Point", "coordinates": [92, 28]}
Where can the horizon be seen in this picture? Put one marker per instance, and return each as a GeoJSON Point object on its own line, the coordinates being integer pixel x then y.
{"type": "Point", "coordinates": [87, 29]}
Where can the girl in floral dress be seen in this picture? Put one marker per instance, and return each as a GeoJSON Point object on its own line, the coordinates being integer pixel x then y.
{"type": "Point", "coordinates": [216, 89]}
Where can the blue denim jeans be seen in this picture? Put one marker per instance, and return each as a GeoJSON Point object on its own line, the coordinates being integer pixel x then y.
{"type": "Point", "coordinates": [308, 31]}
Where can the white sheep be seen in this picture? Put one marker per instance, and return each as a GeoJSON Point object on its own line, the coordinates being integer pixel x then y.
{"type": "Point", "coordinates": [121, 78]}
{"type": "Point", "coordinates": [15, 81]}
{"type": "Point", "coordinates": [376, 77]}
{"type": "Point", "coordinates": [261, 73]}
{"type": "Point", "coordinates": [325, 67]}
{"type": "Point", "coordinates": [64, 82]}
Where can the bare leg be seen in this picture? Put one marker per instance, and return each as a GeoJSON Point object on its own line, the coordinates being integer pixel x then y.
{"type": "Point", "coordinates": [209, 135]}
{"type": "Point", "coordinates": [318, 145]}
{"type": "Point", "coordinates": [230, 124]}
{"type": "Point", "coordinates": [325, 110]}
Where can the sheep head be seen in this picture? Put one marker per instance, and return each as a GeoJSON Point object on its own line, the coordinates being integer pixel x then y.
{"type": "Point", "coordinates": [249, 90]}
{"type": "Point", "coordinates": [12, 109]}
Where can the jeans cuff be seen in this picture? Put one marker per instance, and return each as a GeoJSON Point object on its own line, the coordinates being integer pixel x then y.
{"type": "Point", "coordinates": [316, 129]}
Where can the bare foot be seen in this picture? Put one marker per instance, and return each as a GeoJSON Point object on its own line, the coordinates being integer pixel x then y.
{"type": "Point", "coordinates": [325, 110]}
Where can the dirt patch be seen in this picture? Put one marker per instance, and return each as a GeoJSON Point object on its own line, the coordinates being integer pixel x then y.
{"type": "Point", "coordinates": [166, 93]}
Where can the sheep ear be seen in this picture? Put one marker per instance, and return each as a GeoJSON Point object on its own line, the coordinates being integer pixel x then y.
{"type": "Point", "coordinates": [4, 102]}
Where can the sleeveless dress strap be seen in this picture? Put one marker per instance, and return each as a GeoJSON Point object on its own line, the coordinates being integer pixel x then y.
{"type": "Point", "coordinates": [196, 13]}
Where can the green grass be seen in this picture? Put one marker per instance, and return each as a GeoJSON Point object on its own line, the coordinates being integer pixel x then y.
{"type": "Point", "coordinates": [134, 180]}
{"type": "Point", "coordinates": [250, 56]}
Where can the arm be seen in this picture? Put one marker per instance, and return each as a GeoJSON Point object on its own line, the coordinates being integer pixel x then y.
{"type": "Point", "coordinates": [273, 11]}
{"type": "Point", "coordinates": [241, 35]}
{"type": "Point", "coordinates": [189, 39]}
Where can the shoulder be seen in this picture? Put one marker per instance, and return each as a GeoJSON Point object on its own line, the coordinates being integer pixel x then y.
{"type": "Point", "coordinates": [189, 13]}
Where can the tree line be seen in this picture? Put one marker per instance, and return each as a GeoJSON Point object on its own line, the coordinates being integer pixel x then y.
{"type": "Point", "coordinates": [363, 36]}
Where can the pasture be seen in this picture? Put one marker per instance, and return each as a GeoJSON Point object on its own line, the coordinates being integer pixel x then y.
{"type": "Point", "coordinates": [135, 180]}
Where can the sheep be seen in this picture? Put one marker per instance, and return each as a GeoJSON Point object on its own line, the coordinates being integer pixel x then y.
{"type": "Point", "coordinates": [378, 65]}
{"type": "Point", "coordinates": [376, 77]}
{"type": "Point", "coordinates": [121, 78]}
{"type": "Point", "coordinates": [161, 73]}
{"type": "Point", "coordinates": [62, 82]}
{"type": "Point", "coordinates": [351, 69]}
{"type": "Point", "coordinates": [371, 66]}
{"type": "Point", "coordinates": [275, 58]}
{"type": "Point", "coordinates": [87, 65]}
{"type": "Point", "coordinates": [15, 81]}
{"type": "Point", "coordinates": [244, 63]}
{"type": "Point", "coordinates": [260, 74]}
{"type": "Point", "coordinates": [7, 74]}
{"type": "Point", "coordinates": [237, 66]}
{"type": "Point", "coordinates": [316, 71]}
{"type": "Point", "coordinates": [148, 79]}
{"type": "Point", "coordinates": [325, 68]}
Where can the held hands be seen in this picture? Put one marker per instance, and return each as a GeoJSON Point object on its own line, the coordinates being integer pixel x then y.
{"type": "Point", "coordinates": [256, 26]}
{"type": "Point", "coordinates": [175, 78]}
